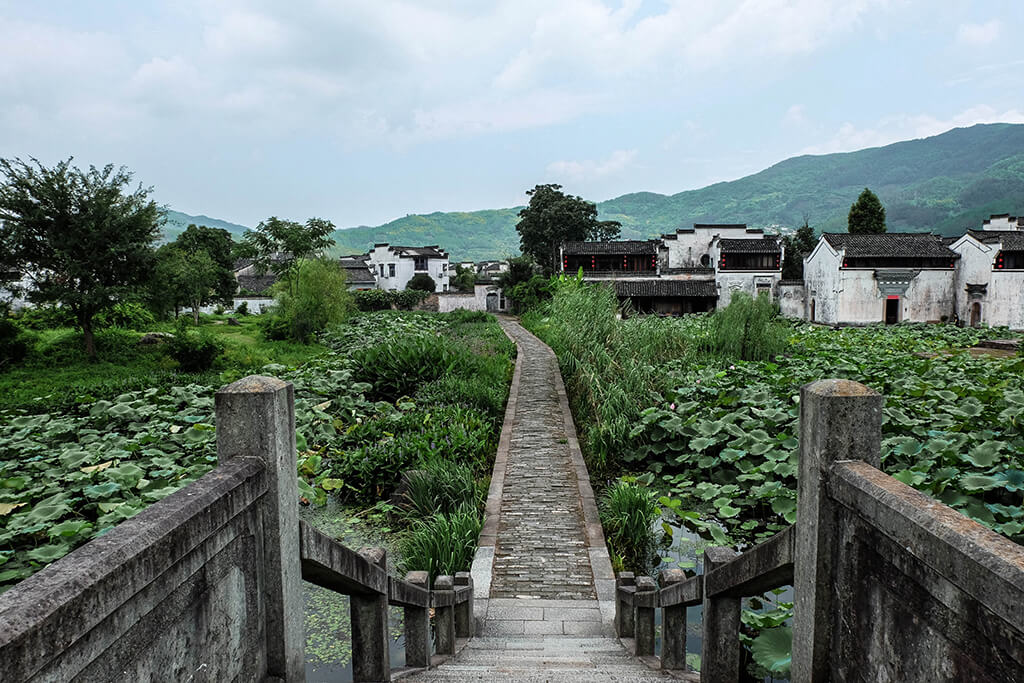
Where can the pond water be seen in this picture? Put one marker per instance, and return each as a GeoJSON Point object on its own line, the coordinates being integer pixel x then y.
{"type": "Point", "coordinates": [686, 551]}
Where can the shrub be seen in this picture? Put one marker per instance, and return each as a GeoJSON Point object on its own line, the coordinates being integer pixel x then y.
{"type": "Point", "coordinates": [243, 308]}
{"type": "Point", "coordinates": [129, 315]}
{"type": "Point", "coordinates": [461, 316]}
{"type": "Point", "coordinates": [397, 368]}
{"type": "Point", "coordinates": [195, 352]}
{"type": "Point", "coordinates": [274, 327]}
{"type": "Point", "coordinates": [422, 282]}
{"type": "Point", "coordinates": [629, 515]}
{"type": "Point", "coordinates": [66, 347]}
{"type": "Point", "coordinates": [14, 343]}
{"type": "Point", "coordinates": [441, 545]}
{"type": "Point", "coordinates": [747, 329]}
{"type": "Point", "coordinates": [384, 300]}
{"type": "Point", "coordinates": [319, 298]}
{"type": "Point", "coordinates": [46, 318]}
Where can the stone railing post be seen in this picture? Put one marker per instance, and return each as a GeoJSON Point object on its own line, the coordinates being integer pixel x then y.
{"type": "Point", "coordinates": [673, 625]}
{"type": "Point", "coordinates": [464, 611]}
{"type": "Point", "coordinates": [644, 602]}
{"type": "Point", "coordinates": [371, 656]}
{"type": "Point", "coordinates": [417, 626]}
{"type": "Point", "coordinates": [623, 611]}
{"type": "Point", "coordinates": [256, 419]}
{"type": "Point", "coordinates": [720, 660]}
{"type": "Point", "coordinates": [839, 420]}
{"type": "Point", "coordinates": [444, 615]}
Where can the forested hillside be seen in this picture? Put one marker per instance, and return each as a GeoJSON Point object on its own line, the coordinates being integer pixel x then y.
{"type": "Point", "coordinates": [944, 184]}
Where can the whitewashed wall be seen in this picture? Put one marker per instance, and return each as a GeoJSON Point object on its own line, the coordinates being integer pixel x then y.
{"type": "Point", "coordinates": [792, 301]}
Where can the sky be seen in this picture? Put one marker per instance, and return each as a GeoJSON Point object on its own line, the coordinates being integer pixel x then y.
{"type": "Point", "coordinates": [365, 111]}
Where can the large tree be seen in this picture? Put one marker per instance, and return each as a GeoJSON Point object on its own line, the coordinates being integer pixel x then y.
{"type": "Point", "coordinates": [798, 245]}
{"type": "Point", "coordinates": [280, 246]}
{"type": "Point", "coordinates": [867, 215]}
{"type": "Point", "coordinates": [83, 238]}
{"type": "Point", "coordinates": [184, 278]}
{"type": "Point", "coordinates": [553, 217]}
{"type": "Point", "coordinates": [218, 245]}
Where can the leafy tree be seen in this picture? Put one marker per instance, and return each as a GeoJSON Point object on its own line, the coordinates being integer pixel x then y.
{"type": "Point", "coordinates": [422, 282]}
{"type": "Point", "coordinates": [798, 245]}
{"type": "Point", "coordinates": [319, 298]}
{"type": "Point", "coordinates": [84, 241]}
{"type": "Point", "coordinates": [183, 278]}
{"type": "Point", "coordinates": [465, 278]}
{"type": "Point", "coordinates": [867, 215]}
{"type": "Point", "coordinates": [553, 217]}
{"type": "Point", "coordinates": [217, 243]}
{"type": "Point", "coordinates": [523, 284]}
{"type": "Point", "coordinates": [280, 246]}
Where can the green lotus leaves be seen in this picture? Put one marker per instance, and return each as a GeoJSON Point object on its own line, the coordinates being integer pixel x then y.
{"type": "Point", "coordinates": [773, 649]}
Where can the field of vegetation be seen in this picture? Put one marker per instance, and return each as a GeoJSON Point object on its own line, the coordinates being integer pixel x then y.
{"type": "Point", "coordinates": [704, 408]}
{"type": "Point", "coordinates": [383, 394]}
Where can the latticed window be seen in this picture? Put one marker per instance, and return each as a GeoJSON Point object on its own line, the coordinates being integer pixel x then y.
{"type": "Point", "coordinates": [420, 263]}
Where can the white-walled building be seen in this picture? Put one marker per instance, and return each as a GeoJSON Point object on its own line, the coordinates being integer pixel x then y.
{"type": "Point", "coordinates": [889, 277]}
{"type": "Point", "coordinates": [690, 271]}
{"type": "Point", "coordinates": [394, 266]}
{"type": "Point", "coordinates": [990, 278]}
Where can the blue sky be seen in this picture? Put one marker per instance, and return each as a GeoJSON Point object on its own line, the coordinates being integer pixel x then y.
{"type": "Point", "coordinates": [361, 112]}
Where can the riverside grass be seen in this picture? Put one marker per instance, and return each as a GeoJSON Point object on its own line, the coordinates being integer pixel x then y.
{"type": "Point", "coordinates": [630, 517]}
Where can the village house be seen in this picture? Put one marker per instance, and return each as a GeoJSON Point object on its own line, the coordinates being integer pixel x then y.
{"type": "Point", "coordinates": [989, 286]}
{"type": "Point", "coordinates": [357, 273]}
{"type": "Point", "coordinates": [691, 271]}
{"type": "Point", "coordinates": [394, 266]}
{"type": "Point", "coordinates": [889, 277]}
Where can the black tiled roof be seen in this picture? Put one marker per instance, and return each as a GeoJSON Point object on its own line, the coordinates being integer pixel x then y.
{"type": "Point", "coordinates": [666, 288]}
{"type": "Point", "coordinates": [891, 244]}
{"type": "Point", "coordinates": [611, 248]}
{"type": "Point", "coordinates": [1012, 240]}
{"type": "Point", "coordinates": [428, 252]}
{"type": "Point", "coordinates": [761, 246]}
{"type": "Point", "coordinates": [256, 283]}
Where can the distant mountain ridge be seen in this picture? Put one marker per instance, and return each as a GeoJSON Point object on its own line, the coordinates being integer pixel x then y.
{"type": "Point", "coordinates": [178, 221]}
{"type": "Point", "coordinates": [944, 184]}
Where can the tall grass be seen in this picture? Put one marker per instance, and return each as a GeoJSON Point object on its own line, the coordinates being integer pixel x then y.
{"type": "Point", "coordinates": [747, 329]}
{"type": "Point", "coordinates": [609, 365]}
{"type": "Point", "coordinates": [630, 516]}
{"type": "Point", "coordinates": [441, 544]}
{"type": "Point", "coordinates": [442, 486]}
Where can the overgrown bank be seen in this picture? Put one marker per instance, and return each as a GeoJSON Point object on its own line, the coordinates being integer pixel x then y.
{"type": "Point", "coordinates": [712, 423]}
{"type": "Point", "coordinates": [378, 404]}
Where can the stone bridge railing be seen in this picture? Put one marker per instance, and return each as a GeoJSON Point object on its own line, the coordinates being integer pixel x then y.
{"type": "Point", "coordinates": [888, 583]}
{"type": "Point", "coordinates": [206, 584]}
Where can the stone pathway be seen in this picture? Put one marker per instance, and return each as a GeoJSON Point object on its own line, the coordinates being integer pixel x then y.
{"type": "Point", "coordinates": [544, 586]}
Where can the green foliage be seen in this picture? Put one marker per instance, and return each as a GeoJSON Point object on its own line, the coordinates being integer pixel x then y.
{"type": "Point", "coordinates": [14, 343]}
{"type": "Point", "coordinates": [747, 329]}
{"type": "Point", "coordinates": [194, 351]}
{"type": "Point", "coordinates": [798, 245]}
{"type": "Point", "coordinates": [220, 248]}
{"type": "Point", "coordinates": [772, 650]}
{"type": "Point", "coordinates": [243, 308]}
{"type": "Point", "coordinates": [444, 487]}
{"type": "Point", "coordinates": [318, 298]}
{"type": "Point", "coordinates": [384, 300]}
{"type": "Point", "coordinates": [631, 520]}
{"type": "Point", "coordinates": [130, 315]}
{"type": "Point", "coordinates": [396, 368]}
{"type": "Point", "coordinates": [89, 242]}
{"type": "Point", "coordinates": [422, 282]}
{"type": "Point", "coordinates": [554, 217]}
{"type": "Point", "coordinates": [442, 545]}
{"type": "Point", "coordinates": [45, 317]}
{"type": "Point", "coordinates": [530, 294]}
{"type": "Point", "coordinates": [281, 246]}
{"type": "Point", "coordinates": [867, 215]}
{"type": "Point", "coordinates": [465, 279]}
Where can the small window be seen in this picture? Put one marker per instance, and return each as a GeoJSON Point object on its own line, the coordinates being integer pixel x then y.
{"type": "Point", "coordinates": [391, 270]}
{"type": "Point", "coordinates": [420, 263]}
{"type": "Point", "coordinates": [382, 270]}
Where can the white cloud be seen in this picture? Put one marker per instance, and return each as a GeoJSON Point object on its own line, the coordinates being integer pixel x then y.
{"type": "Point", "coordinates": [588, 170]}
{"type": "Point", "coordinates": [979, 35]}
{"type": "Point", "coordinates": [796, 115]}
{"type": "Point", "coordinates": [909, 126]}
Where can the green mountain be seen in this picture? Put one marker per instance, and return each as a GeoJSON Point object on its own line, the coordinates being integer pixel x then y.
{"type": "Point", "coordinates": [178, 221]}
{"type": "Point", "coordinates": [944, 184]}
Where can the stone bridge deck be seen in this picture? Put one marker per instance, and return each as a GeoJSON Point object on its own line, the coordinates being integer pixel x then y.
{"type": "Point", "coordinates": [544, 583]}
